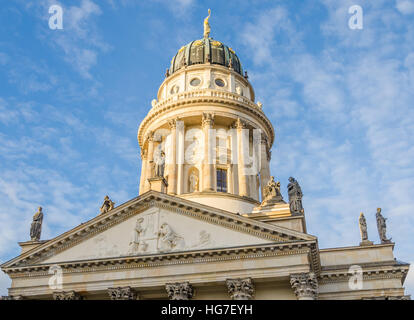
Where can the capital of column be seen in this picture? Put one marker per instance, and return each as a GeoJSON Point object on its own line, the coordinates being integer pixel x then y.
{"type": "Point", "coordinates": [122, 293]}
{"type": "Point", "coordinates": [179, 290]}
{"type": "Point", "coordinates": [207, 120]}
{"type": "Point", "coordinates": [240, 124]}
{"type": "Point", "coordinates": [172, 123]}
{"type": "Point", "coordinates": [305, 285]}
{"type": "Point", "coordinates": [66, 295]}
{"type": "Point", "coordinates": [240, 289]}
{"type": "Point", "coordinates": [150, 136]}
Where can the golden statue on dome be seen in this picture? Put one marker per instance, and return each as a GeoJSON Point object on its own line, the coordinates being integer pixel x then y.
{"type": "Point", "coordinates": [207, 25]}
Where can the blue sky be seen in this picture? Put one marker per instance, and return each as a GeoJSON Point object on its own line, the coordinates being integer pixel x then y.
{"type": "Point", "coordinates": [341, 102]}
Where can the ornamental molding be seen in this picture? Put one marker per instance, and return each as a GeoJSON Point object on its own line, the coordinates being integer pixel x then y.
{"type": "Point", "coordinates": [157, 260]}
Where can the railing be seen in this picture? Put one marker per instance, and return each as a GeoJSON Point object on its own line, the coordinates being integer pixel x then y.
{"type": "Point", "coordinates": [205, 93]}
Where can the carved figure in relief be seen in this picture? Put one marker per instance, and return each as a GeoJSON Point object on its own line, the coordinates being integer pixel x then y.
{"type": "Point", "coordinates": [135, 242]}
{"type": "Point", "coordinates": [168, 240]}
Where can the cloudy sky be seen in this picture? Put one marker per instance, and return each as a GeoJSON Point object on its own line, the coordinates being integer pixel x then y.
{"type": "Point", "coordinates": [341, 102]}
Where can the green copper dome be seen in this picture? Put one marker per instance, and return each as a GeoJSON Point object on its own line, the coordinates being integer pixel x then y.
{"type": "Point", "coordinates": [205, 50]}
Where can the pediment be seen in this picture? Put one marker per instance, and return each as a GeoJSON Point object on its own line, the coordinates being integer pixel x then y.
{"type": "Point", "coordinates": [156, 223]}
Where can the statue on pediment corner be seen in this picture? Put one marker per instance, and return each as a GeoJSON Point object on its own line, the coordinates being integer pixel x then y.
{"type": "Point", "coordinates": [295, 196]}
{"type": "Point", "coordinates": [107, 205]}
{"type": "Point", "coordinates": [382, 227]}
{"type": "Point", "coordinates": [36, 226]}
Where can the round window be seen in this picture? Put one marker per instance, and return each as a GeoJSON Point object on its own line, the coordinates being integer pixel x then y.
{"type": "Point", "coordinates": [195, 82]}
{"type": "Point", "coordinates": [220, 83]}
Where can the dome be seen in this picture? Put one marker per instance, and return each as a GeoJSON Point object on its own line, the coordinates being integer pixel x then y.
{"type": "Point", "coordinates": [206, 50]}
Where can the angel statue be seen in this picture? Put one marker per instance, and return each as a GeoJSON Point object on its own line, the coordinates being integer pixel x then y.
{"type": "Point", "coordinates": [207, 25]}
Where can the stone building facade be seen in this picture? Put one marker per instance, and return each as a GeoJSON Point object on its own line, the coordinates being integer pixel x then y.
{"type": "Point", "coordinates": [210, 221]}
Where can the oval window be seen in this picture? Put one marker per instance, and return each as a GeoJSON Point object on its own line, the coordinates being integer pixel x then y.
{"type": "Point", "coordinates": [195, 82]}
{"type": "Point", "coordinates": [220, 83]}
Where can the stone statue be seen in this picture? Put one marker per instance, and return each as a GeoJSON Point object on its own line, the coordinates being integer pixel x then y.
{"type": "Point", "coordinates": [207, 25]}
{"type": "Point", "coordinates": [193, 182]}
{"type": "Point", "coordinates": [134, 243]}
{"type": "Point", "coordinates": [382, 227]}
{"type": "Point", "coordinates": [295, 196]}
{"type": "Point", "coordinates": [36, 227]}
{"type": "Point", "coordinates": [271, 193]}
{"type": "Point", "coordinates": [239, 90]}
{"type": "Point", "coordinates": [363, 227]}
{"type": "Point", "coordinates": [168, 239]}
{"type": "Point", "coordinates": [107, 205]}
{"type": "Point", "coordinates": [159, 160]}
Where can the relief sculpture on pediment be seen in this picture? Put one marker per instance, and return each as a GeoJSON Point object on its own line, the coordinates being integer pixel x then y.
{"type": "Point", "coordinates": [169, 240]}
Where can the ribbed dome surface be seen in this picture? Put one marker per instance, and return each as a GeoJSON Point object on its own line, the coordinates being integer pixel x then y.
{"type": "Point", "coordinates": [205, 50]}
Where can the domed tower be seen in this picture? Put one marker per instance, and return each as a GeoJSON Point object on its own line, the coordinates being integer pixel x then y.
{"type": "Point", "coordinates": [205, 138]}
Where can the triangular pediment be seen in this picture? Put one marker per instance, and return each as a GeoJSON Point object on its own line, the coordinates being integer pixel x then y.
{"type": "Point", "coordinates": [156, 223]}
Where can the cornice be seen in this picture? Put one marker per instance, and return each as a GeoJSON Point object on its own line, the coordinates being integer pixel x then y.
{"type": "Point", "coordinates": [370, 271]}
{"type": "Point", "coordinates": [165, 259]}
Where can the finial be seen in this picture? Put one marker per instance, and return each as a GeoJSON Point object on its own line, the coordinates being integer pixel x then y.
{"type": "Point", "coordinates": [207, 25]}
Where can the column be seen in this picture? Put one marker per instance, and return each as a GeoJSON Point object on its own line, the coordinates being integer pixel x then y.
{"type": "Point", "coordinates": [172, 166]}
{"type": "Point", "coordinates": [143, 171]}
{"type": "Point", "coordinates": [242, 148]}
{"type": "Point", "coordinates": [208, 166]}
{"type": "Point", "coordinates": [122, 293]}
{"type": "Point", "coordinates": [264, 166]}
{"type": "Point", "coordinates": [66, 295]}
{"type": "Point", "coordinates": [180, 133]}
{"type": "Point", "coordinates": [240, 289]}
{"type": "Point", "coordinates": [305, 286]}
{"type": "Point", "coordinates": [150, 160]}
{"type": "Point", "coordinates": [179, 291]}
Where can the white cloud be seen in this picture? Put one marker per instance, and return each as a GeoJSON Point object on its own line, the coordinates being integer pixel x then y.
{"type": "Point", "coordinates": [405, 6]}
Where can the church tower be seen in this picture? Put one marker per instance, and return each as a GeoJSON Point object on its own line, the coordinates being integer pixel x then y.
{"type": "Point", "coordinates": [205, 131]}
